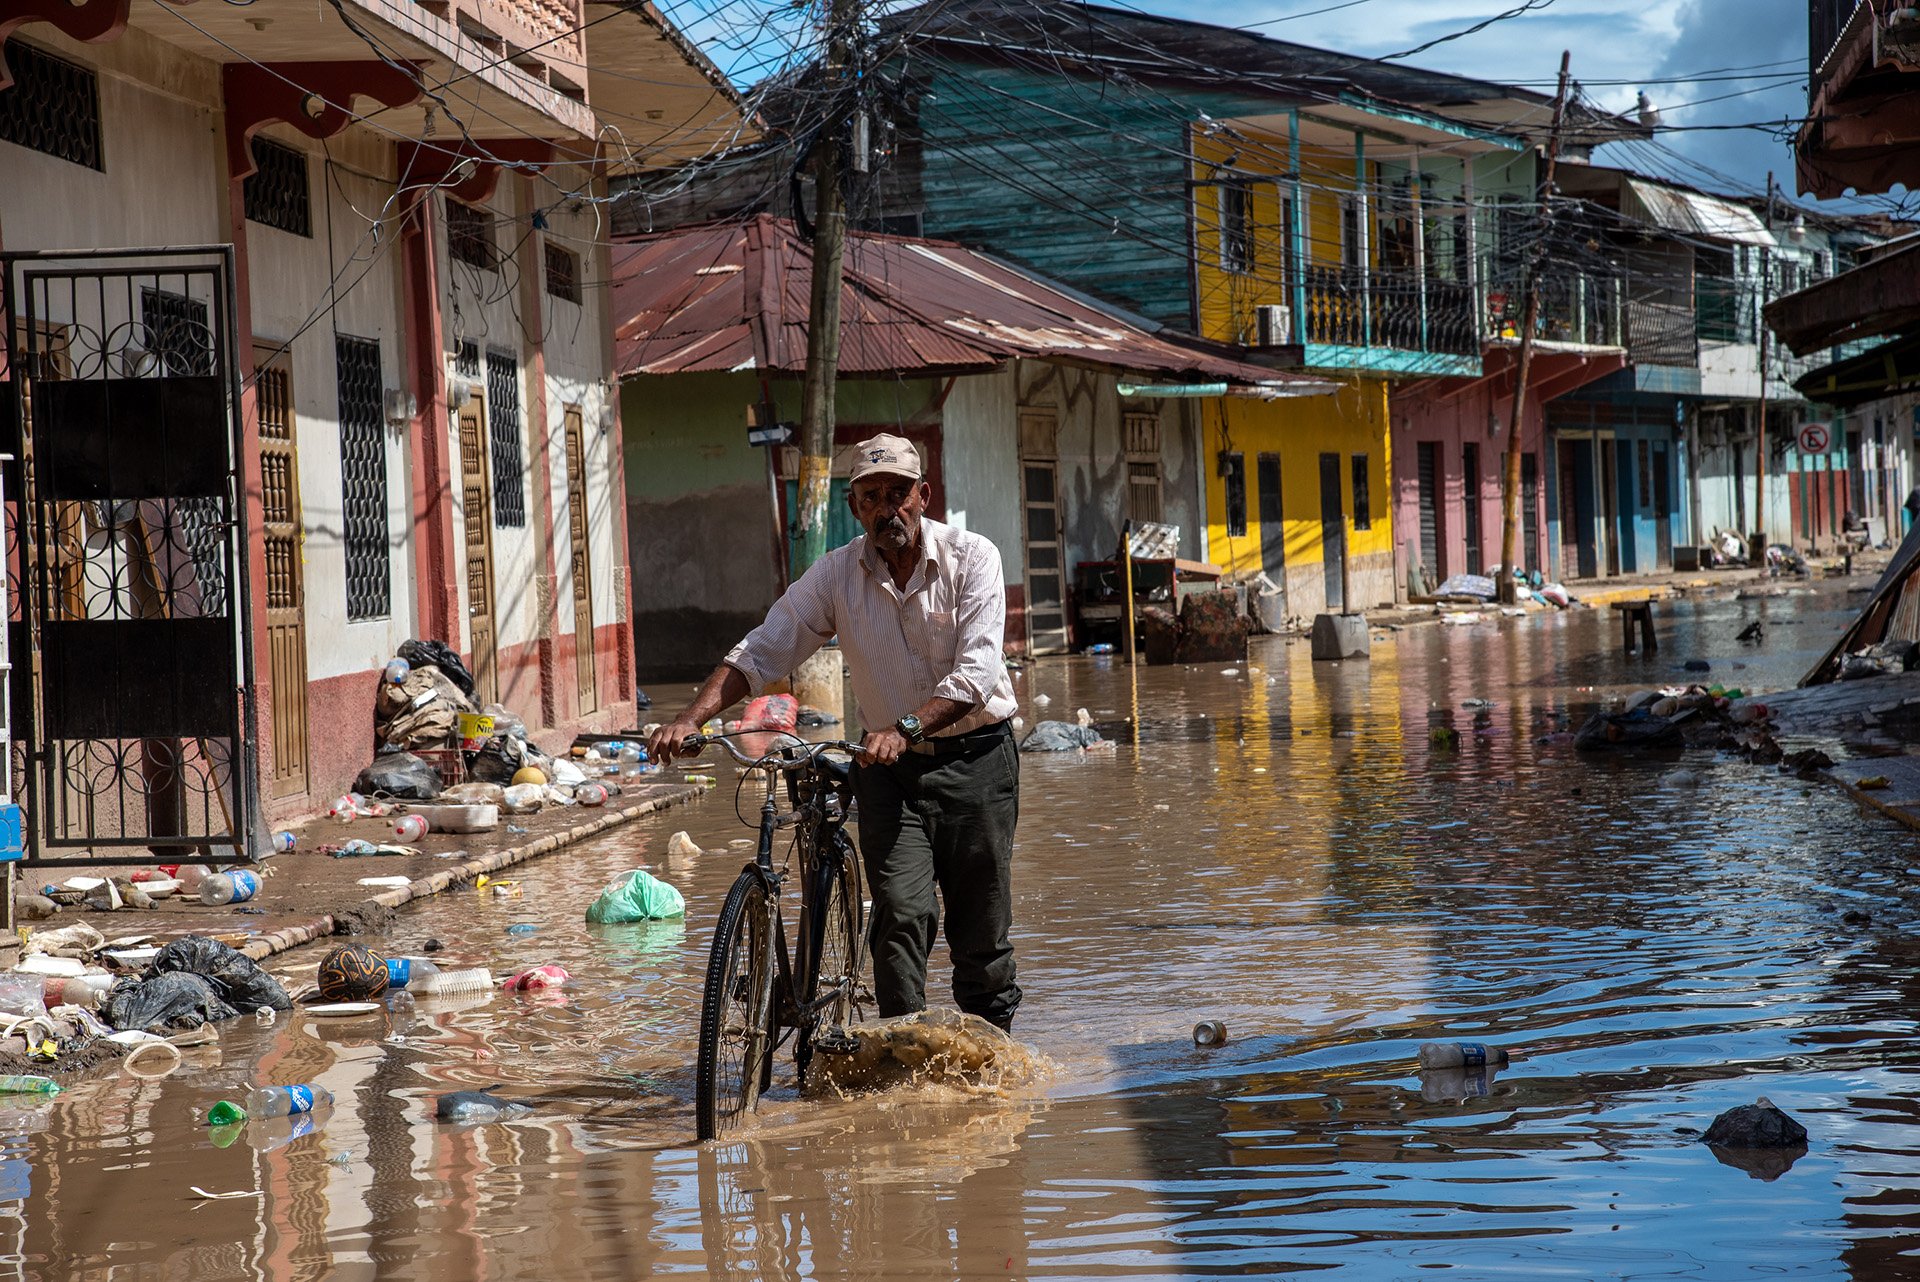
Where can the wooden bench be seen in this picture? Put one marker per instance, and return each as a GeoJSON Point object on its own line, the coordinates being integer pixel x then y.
{"type": "Point", "coordinates": [1641, 610]}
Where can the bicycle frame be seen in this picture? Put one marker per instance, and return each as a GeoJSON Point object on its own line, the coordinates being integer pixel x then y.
{"type": "Point", "coordinates": [812, 796]}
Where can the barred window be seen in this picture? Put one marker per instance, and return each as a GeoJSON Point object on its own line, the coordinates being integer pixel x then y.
{"type": "Point", "coordinates": [563, 273]}
{"type": "Point", "coordinates": [503, 439]}
{"type": "Point", "coordinates": [276, 192]}
{"type": "Point", "coordinates": [363, 476]}
{"type": "Point", "coordinates": [52, 106]}
{"type": "Point", "coordinates": [469, 235]}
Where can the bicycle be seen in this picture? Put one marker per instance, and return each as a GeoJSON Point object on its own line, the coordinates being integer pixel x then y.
{"type": "Point", "coordinates": [757, 991]}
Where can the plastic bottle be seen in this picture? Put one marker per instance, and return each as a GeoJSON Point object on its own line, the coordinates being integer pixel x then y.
{"type": "Point", "coordinates": [415, 972]}
{"type": "Point", "coordinates": [27, 1084]}
{"type": "Point", "coordinates": [343, 808]}
{"type": "Point", "coordinates": [397, 670]}
{"type": "Point", "coordinates": [284, 841]}
{"type": "Point", "coordinates": [630, 759]}
{"type": "Point", "coordinates": [191, 875]}
{"type": "Point", "coordinates": [284, 1101]}
{"type": "Point", "coordinates": [477, 980]}
{"type": "Point", "coordinates": [590, 794]}
{"type": "Point", "coordinates": [410, 827]}
{"type": "Point", "coordinates": [233, 887]}
{"type": "Point", "coordinates": [1460, 1055]}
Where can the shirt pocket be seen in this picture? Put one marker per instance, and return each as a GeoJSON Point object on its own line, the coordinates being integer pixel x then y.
{"type": "Point", "coordinates": [943, 638]}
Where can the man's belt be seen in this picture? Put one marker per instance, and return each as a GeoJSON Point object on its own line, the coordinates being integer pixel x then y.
{"type": "Point", "coordinates": [953, 745]}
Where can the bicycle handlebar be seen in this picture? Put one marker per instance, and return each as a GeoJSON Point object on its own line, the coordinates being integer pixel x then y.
{"type": "Point", "coordinates": [697, 742]}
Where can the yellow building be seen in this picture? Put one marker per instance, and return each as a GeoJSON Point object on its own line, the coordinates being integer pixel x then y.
{"type": "Point", "coordinates": [1317, 248]}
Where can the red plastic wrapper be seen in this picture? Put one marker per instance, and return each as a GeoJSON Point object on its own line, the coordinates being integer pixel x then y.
{"type": "Point", "coordinates": [769, 712]}
{"type": "Point", "coordinates": [548, 976]}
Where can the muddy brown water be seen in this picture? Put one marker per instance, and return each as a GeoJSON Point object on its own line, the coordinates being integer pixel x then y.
{"type": "Point", "coordinates": [1283, 850]}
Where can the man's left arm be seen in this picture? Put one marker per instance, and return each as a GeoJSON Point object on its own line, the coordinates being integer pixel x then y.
{"type": "Point", "coordinates": [981, 621]}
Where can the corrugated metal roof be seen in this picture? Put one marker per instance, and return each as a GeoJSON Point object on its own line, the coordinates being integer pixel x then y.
{"type": "Point", "coordinates": [730, 296]}
{"type": "Point", "coordinates": [1696, 214]}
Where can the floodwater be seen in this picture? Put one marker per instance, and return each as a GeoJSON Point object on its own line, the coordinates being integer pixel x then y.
{"type": "Point", "coordinates": [1283, 850]}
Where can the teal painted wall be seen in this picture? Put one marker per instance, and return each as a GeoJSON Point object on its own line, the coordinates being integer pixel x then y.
{"type": "Point", "coordinates": [1039, 169]}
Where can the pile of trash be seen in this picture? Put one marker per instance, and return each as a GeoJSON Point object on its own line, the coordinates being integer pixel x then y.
{"type": "Point", "coordinates": [1679, 717]}
{"type": "Point", "coordinates": [444, 762]}
{"type": "Point", "coordinates": [78, 999]}
{"type": "Point", "coordinates": [1886, 658]}
{"type": "Point", "coordinates": [1484, 589]}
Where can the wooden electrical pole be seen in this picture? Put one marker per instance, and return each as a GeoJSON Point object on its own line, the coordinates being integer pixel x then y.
{"type": "Point", "coordinates": [1529, 319]}
{"type": "Point", "coordinates": [823, 311]}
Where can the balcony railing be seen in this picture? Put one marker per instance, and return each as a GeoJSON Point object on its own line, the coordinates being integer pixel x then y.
{"type": "Point", "coordinates": [1661, 333]}
{"type": "Point", "coordinates": [1575, 307]}
{"type": "Point", "coordinates": [1349, 307]}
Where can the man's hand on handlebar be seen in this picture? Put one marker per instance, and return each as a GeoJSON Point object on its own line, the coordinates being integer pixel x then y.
{"type": "Point", "coordinates": [669, 741]}
{"type": "Point", "coordinates": [882, 747]}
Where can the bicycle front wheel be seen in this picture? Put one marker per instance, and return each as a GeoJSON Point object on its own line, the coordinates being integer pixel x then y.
{"type": "Point", "coordinates": [736, 1026]}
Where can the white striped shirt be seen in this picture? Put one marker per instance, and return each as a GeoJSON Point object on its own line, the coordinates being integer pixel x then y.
{"type": "Point", "coordinates": [941, 635]}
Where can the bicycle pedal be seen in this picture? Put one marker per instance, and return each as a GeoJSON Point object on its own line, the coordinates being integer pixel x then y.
{"type": "Point", "coordinates": [836, 1041]}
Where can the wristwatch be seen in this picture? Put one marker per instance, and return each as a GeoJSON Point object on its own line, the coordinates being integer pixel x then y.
{"type": "Point", "coordinates": [910, 726]}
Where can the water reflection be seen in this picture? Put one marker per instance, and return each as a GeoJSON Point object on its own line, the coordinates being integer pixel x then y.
{"type": "Point", "coordinates": [1287, 849]}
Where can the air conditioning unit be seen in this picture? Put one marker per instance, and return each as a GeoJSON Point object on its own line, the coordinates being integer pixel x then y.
{"type": "Point", "coordinates": [1273, 325]}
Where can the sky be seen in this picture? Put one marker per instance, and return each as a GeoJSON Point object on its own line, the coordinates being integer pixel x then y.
{"type": "Point", "coordinates": [1617, 50]}
{"type": "Point", "coordinates": [1702, 62]}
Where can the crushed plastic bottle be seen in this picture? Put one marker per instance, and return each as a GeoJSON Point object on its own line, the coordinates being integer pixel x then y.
{"type": "Point", "coordinates": [27, 1084]}
{"type": "Point", "coordinates": [284, 841]}
{"type": "Point", "coordinates": [1461, 1055]}
{"type": "Point", "coordinates": [233, 887]}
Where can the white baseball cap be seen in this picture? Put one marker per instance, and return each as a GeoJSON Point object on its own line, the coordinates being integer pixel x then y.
{"type": "Point", "coordinates": [885, 453]}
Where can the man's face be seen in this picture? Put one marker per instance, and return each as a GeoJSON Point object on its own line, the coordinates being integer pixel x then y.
{"type": "Point", "coordinates": [888, 508]}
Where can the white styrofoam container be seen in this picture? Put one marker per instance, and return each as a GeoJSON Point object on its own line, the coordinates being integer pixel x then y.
{"type": "Point", "coordinates": [476, 818]}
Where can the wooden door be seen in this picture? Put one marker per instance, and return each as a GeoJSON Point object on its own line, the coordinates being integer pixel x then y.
{"type": "Point", "coordinates": [286, 589]}
{"type": "Point", "coordinates": [583, 656]}
{"type": "Point", "coordinates": [1470, 504]}
{"type": "Point", "coordinates": [1040, 520]}
{"type": "Point", "coordinates": [477, 492]}
{"type": "Point", "coordinates": [1333, 530]}
{"type": "Point", "coordinates": [1662, 511]}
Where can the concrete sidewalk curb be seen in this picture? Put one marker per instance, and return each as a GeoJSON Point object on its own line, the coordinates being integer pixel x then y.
{"type": "Point", "coordinates": [321, 927]}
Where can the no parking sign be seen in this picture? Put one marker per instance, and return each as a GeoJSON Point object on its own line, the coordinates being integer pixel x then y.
{"type": "Point", "coordinates": [1815, 438]}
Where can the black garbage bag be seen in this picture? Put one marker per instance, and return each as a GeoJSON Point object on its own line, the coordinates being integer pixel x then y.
{"type": "Point", "coordinates": [1059, 736]}
{"type": "Point", "coordinates": [234, 975]}
{"type": "Point", "coordinates": [442, 656]}
{"type": "Point", "coordinates": [401, 775]}
{"type": "Point", "coordinates": [498, 760]}
{"type": "Point", "coordinates": [164, 1003]}
{"type": "Point", "coordinates": [1606, 731]}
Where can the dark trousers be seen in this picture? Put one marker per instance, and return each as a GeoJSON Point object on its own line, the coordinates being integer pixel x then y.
{"type": "Point", "coordinates": [942, 821]}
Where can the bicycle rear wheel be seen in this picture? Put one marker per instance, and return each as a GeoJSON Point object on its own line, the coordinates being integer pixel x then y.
{"type": "Point", "coordinates": [736, 1034]}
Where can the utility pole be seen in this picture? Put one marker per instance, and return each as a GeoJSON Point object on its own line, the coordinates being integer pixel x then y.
{"type": "Point", "coordinates": [1757, 547]}
{"type": "Point", "coordinates": [823, 311]}
{"type": "Point", "coordinates": [817, 683]}
{"type": "Point", "coordinates": [1529, 319]}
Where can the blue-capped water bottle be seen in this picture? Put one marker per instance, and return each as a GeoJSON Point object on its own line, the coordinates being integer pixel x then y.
{"type": "Point", "coordinates": [285, 1101]}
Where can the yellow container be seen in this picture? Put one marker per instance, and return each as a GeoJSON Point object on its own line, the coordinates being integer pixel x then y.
{"type": "Point", "coordinates": [475, 730]}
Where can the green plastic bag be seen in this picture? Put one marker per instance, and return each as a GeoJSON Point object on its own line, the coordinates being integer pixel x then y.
{"type": "Point", "coordinates": [638, 896]}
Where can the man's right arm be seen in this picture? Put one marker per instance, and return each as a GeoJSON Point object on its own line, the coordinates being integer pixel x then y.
{"type": "Point", "coordinates": [724, 687]}
{"type": "Point", "coordinates": [800, 622]}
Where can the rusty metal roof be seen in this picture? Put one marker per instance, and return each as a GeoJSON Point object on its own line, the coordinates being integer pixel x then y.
{"type": "Point", "coordinates": [733, 296]}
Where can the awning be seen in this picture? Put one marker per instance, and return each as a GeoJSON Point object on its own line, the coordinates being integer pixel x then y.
{"type": "Point", "coordinates": [1693, 214]}
{"type": "Point", "coordinates": [1878, 297]}
{"type": "Point", "coordinates": [1887, 370]}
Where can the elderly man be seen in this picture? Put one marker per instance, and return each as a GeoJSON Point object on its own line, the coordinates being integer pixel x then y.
{"type": "Point", "coordinates": [921, 610]}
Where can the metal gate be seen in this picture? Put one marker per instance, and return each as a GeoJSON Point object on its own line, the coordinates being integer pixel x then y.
{"type": "Point", "coordinates": [133, 676]}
